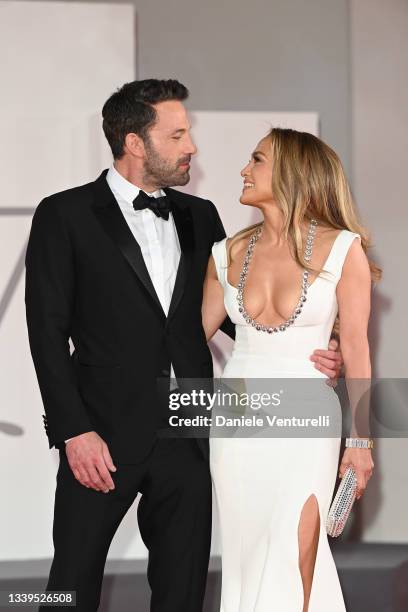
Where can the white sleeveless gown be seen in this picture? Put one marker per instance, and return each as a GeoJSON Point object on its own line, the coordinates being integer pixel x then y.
{"type": "Point", "coordinates": [261, 484]}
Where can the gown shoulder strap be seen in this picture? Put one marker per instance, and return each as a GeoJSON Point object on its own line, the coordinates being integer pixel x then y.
{"type": "Point", "coordinates": [219, 253]}
{"type": "Point", "coordinates": [335, 261]}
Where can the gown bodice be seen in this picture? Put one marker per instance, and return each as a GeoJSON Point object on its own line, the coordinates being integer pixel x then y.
{"type": "Point", "coordinates": [286, 353]}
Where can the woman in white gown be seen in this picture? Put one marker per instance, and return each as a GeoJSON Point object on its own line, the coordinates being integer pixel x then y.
{"type": "Point", "coordinates": [273, 494]}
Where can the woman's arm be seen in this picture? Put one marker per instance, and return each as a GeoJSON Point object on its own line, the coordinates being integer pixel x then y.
{"type": "Point", "coordinates": [353, 296]}
{"type": "Point", "coordinates": [213, 309]}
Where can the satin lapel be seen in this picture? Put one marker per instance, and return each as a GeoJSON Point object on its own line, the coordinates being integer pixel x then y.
{"type": "Point", "coordinates": [185, 229]}
{"type": "Point", "coordinates": [113, 222]}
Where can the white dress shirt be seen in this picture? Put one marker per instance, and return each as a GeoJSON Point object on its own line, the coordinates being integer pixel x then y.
{"type": "Point", "coordinates": [157, 238]}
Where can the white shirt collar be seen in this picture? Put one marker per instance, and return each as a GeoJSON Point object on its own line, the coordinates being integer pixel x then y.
{"type": "Point", "coordinates": [128, 191]}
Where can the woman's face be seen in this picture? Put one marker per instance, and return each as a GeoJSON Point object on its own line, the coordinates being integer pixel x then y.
{"type": "Point", "coordinates": [257, 176]}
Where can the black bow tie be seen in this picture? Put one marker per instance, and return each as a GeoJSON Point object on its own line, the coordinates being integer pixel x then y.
{"type": "Point", "coordinates": [160, 206]}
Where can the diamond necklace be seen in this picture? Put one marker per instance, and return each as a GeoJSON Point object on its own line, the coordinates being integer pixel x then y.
{"type": "Point", "coordinates": [303, 295]}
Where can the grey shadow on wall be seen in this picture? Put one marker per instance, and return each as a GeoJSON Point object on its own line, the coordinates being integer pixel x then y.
{"type": "Point", "coordinates": [6, 428]}
{"type": "Point", "coordinates": [10, 429]}
{"type": "Point", "coordinates": [16, 274]}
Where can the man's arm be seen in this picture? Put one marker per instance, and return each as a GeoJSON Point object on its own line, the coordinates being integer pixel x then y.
{"type": "Point", "coordinates": [227, 326]}
{"type": "Point", "coordinates": [49, 297]}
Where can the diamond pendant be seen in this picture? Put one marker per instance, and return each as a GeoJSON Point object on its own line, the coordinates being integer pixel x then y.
{"type": "Point", "coordinates": [304, 286]}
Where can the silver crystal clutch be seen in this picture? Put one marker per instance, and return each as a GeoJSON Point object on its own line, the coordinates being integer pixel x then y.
{"type": "Point", "coordinates": [342, 504]}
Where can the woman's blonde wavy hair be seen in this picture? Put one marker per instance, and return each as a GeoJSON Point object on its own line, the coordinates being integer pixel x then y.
{"type": "Point", "coordinates": [308, 181]}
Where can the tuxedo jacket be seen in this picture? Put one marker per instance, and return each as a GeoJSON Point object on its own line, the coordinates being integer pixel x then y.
{"type": "Point", "coordinates": [86, 280]}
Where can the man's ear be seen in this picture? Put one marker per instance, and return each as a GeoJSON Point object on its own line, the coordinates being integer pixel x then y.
{"type": "Point", "coordinates": [134, 145]}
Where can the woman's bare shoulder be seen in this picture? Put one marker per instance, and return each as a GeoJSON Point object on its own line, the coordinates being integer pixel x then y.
{"type": "Point", "coordinates": [327, 234]}
{"type": "Point", "coordinates": [237, 245]}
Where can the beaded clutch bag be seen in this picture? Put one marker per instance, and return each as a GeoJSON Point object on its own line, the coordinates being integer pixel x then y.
{"type": "Point", "coordinates": [342, 504]}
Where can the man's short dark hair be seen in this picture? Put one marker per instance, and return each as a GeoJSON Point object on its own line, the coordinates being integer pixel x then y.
{"type": "Point", "coordinates": [130, 109]}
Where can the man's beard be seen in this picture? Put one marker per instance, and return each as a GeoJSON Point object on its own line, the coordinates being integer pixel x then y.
{"type": "Point", "coordinates": [158, 171]}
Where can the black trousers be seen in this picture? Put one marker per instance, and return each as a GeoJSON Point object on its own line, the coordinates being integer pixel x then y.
{"type": "Point", "coordinates": [174, 516]}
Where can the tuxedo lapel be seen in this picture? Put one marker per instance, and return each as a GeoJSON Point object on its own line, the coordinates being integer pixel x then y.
{"type": "Point", "coordinates": [184, 224]}
{"type": "Point", "coordinates": [113, 222]}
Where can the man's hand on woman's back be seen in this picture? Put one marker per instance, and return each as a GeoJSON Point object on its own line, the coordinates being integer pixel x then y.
{"type": "Point", "coordinates": [329, 361]}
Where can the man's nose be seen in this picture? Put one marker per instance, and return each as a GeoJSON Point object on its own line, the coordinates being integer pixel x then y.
{"type": "Point", "coordinates": [191, 148]}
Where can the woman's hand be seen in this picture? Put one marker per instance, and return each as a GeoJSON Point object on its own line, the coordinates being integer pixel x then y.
{"type": "Point", "coordinates": [361, 461]}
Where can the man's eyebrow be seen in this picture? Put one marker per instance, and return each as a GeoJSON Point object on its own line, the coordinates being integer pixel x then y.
{"type": "Point", "coordinates": [181, 130]}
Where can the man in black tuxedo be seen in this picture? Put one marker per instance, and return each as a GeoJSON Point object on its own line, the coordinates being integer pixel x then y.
{"type": "Point", "coordinates": [118, 265]}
